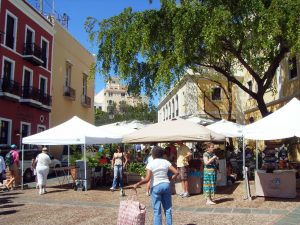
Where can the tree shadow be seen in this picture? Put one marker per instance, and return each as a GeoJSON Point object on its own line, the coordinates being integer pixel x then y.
{"type": "Point", "coordinates": [11, 206]}
{"type": "Point", "coordinates": [8, 212]}
{"type": "Point", "coordinates": [56, 191]}
{"type": "Point", "coordinates": [10, 193]}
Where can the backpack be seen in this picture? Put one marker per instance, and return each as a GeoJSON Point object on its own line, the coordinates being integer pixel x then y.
{"type": "Point", "coordinates": [9, 160]}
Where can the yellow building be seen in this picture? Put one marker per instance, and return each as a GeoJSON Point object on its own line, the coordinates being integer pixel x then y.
{"type": "Point", "coordinates": [199, 95]}
{"type": "Point", "coordinates": [72, 88]}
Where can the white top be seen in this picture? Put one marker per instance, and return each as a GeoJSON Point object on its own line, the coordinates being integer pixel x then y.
{"type": "Point", "coordinates": [2, 164]}
{"type": "Point", "coordinates": [159, 169]}
{"type": "Point", "coordinates": [43, 159]}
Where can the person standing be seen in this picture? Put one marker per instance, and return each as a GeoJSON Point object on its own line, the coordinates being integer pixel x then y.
{"type": "Point", "coordinates": [183, 155]}
{"type": "Point", "coordinates": [13, 167]}
{"type": "Point", "coordinates": [42, 169]}
{"type": "Point", "coordinates": [2, 169]}
{"type": "Point", "coordinates": [158, 169]}
{"type": "Point", "coordinates": [209, 173]}
{"type": "Point", "coordinates": [119, 162]}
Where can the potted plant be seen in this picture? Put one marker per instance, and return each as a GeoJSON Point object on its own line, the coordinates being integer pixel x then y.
{"type": "Point", "coordinates": [135, 171]}
{"type": "Point", "coordinates": [77, 155]}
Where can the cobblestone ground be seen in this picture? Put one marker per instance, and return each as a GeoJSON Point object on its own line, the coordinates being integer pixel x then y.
{"type": "Point", "coordinates": [65, 206]}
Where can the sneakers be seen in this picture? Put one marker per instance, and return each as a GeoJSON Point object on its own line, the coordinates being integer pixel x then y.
{"type": "Point", "coordinates": [122, 193]}
{"type": "Point", "coordinates": [41, 192]}
{"type": "Point", "coordinates": [112, 189]}
{"type": "Point", "coordinates": [210, 202]}
{"type": "Point", "coordinates": [148, 193]}
{"type": "Point", "coordinates": [185, 195]}
{"type": "Point", "coordinates": [181, 194]}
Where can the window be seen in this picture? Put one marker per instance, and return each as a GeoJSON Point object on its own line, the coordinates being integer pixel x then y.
{"type": "Point", "coordinates": [216, 93]}
{"type": "Point", "coordinates": [5, 131]}
{"type": "Point", "coordinates": [68, 74]}
{"type": "Point", "coordinates": [10, 31]}
{"type": "Point", "coordinates": [173, 108]}
{"type": "Point", "coordinates": [40, 128]}
{"type": "Point", "coordinates": [43, 85]}
{"type": "Point", "coordinates": [8, 69]}
{"type": "Point", "coordinates": [292, 63]}
{"type": "Point", "coordinates": [25, 131]}
{"type": "Point", "coordinates": [29, 41]}
{"type": "Point", "coordinates": [84, 85]}
{"type": "Point", "coordinates": [29, 36]}
{"type": "Point", "coordinates": [45, 50]}
{"type": "Point", "coordinates": [27, 78]}
{"type": "Point", "coordinates": [177, 106]}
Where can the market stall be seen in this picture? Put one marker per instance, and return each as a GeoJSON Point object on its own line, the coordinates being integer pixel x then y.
{"type": "Point", "coordinates": [283, 123]}
{"type": "Point", "coordinates": [177, 130]}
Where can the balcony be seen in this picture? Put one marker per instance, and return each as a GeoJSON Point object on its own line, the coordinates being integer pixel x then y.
{"type": "Point", "coordinates": [33, 54]}
{"type": "Point", "coordinates": [9, 89]}
{"type": "Point", "coordinates": [86, 101]}
{"type": "Point", "coordinates": [70, 93]}
{"type": "Point", "coordinates": [36, 98]}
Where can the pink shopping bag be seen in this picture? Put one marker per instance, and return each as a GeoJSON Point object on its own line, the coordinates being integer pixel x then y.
{"type": "Point", "coordinates": [131, 213]}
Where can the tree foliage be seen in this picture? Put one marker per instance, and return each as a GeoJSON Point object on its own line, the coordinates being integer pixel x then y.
{"type": "Point", "coordinates": [151, 49]}
{"type": "Point", "coordinates": [127, 112]}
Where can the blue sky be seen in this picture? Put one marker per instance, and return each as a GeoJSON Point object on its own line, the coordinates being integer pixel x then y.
{"type": "Point", "coordinates": [79, 10]}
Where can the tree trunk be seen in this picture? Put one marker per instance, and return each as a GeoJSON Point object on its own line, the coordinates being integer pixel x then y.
{"type": "Point", "coordinates": [261, 104]}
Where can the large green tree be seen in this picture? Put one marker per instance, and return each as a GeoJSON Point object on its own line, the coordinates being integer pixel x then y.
{"type": "Point", "coordinates": [151, 49]}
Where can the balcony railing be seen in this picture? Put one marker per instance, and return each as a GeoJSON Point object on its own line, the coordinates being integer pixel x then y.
{"type": "Point", "coordinates": [86, 101]}
{"type": "Point", "coordinates": [9, 86]}
{"type": "Point", "coordinates": [69, 92]}
{"type": "Point", "coordinates": [33, 53]}
{"type": "Point", "coordinates": [45, 99]}
{"type": "Point", "coordinates": [31, 93]}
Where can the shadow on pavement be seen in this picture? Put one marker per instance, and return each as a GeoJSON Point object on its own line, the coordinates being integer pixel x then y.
{"type": "Point", "coordinates": [221, 200]}
{"type": "Point", "coordinates": [10, 206]}
{"type": "Point", "coordinates": [227, 189]}
{"type": "Point", "coordinates": [8, 212]}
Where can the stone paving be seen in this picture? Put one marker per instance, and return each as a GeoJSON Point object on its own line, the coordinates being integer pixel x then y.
{"type": "Point", "coordinates": [65, 206]}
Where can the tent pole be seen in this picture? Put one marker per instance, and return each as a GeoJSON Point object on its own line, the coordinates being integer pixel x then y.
{"type": "Point", "coordinates": [244, 169]}
{"type": "Point", "coordinates": [22, 168]}
{"type": "Point", "coordinates": [68, 160]}
{"type": "Point", "coordinates": [256, 147]}
{"type": "Point", "coordinates": [84, 158]}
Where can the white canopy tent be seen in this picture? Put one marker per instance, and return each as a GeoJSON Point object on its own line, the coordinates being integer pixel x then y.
{"type": "Point", "coordinates": [172, 130]}
{"type": "Point", "coordinates": [227, 128]}
{"type": "Point", "coordinates": [74, 131]}
{"type": "Point", "coordinates": [283, 123]}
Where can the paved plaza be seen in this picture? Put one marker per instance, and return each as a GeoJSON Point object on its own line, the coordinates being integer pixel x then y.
{"type": "Point", "coordinates": [63, 205]}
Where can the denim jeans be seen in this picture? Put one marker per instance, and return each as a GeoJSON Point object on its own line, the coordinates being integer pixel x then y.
{"type": "Point", "coordinates": [161, 195]}
{"type": "Point", "coordinates": [118, 172]}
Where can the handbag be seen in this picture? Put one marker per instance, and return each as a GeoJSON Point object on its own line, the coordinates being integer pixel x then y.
{"type": "Point", "coordinates": [131, 212]}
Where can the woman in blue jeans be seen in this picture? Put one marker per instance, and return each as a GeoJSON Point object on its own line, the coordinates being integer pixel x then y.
{"type": "Point", "coordinates": [118, 163]}
{"type": "Point", "coordinates": [160, 185]}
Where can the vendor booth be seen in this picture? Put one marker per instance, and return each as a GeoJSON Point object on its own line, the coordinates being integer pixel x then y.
{"type": "Point", "coordinates": [276, 179]}
{"type": "Point", "coordinates": [73, 132]}
{"type": "Point", "coordinates": [178, 130]}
